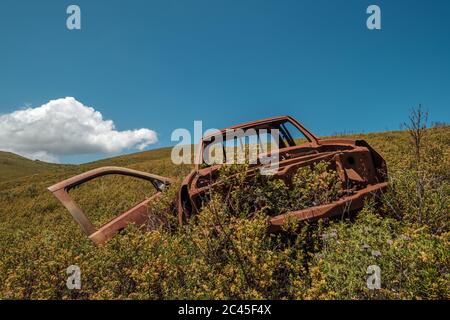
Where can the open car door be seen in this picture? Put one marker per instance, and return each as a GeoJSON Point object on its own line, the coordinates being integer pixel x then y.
{"type": "Point", "coordinates": [138, 214]}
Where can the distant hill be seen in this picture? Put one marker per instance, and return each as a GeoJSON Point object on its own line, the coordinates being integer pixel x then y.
{"type": "Point", "coordinates": [132, 158]}
{"type": "Point", "coordinates": [13, 166]}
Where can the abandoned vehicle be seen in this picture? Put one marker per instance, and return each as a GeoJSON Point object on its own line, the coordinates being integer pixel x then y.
{"type": "Point", "coordinates": [361, 169]}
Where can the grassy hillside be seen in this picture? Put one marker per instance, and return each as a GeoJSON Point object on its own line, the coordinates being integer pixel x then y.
{"type": "Point", "coordinates": [13, 166]}
{"type": "Point", "coordinates": [39, 239]}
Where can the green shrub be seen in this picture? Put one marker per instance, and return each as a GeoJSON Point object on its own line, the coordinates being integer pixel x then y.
{"type": "Point", "coordinates": [419, 197]}
{"type": "Point", "coordinates": [309, 186]}
{"type": "Point", "coordinates": [414, 264]}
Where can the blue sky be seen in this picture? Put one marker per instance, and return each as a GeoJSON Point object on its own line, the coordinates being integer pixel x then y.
{"type": "Point", "coordinates": [163, 64]}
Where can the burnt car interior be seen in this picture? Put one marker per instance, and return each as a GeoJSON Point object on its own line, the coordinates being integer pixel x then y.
{"type": "Point", "coordinates": [262, 135]}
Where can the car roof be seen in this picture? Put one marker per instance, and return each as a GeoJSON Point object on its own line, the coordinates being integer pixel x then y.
{"type": "Point", "coordinates": [249, 125]}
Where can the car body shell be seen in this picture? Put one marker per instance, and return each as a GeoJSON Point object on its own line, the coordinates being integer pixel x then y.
{"type": "Point", "coordinates": [361, 169]}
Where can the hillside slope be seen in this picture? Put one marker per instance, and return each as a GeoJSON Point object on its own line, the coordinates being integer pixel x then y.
{"type": "Point", "coordinates": [39, 239]}
{"type": "Point", "coordinates": [13, 166]}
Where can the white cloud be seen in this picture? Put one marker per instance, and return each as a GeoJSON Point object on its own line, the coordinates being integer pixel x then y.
{"type": "Point", "coordinates": [65, 127]}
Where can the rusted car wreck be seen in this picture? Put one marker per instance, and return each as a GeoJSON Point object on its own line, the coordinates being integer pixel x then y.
{"type": "Point", "coordinates": [361, 169]}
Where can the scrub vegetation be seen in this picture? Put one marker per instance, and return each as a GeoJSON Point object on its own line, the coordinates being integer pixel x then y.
{"type": "Point", "coordinates": [225, 251]}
